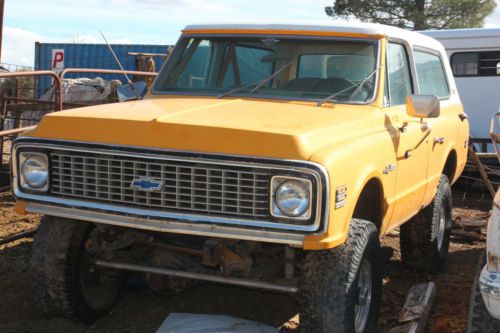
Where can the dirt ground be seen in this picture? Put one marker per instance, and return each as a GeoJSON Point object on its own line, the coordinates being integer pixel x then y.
{"type": "Point", "coordinates": [143, 311]}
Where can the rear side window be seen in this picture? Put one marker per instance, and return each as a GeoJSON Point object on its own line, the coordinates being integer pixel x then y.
{"type": "Point", "coordinates": [476, 63]}
{"type": "Point", "coordinates": [430, 74]}
{"type": "Point", "coordinates": [398, 74]}
{"type": "Point", "coordinates": [249, 67]}
{"type": "Point", "coordinates": [195, 71]}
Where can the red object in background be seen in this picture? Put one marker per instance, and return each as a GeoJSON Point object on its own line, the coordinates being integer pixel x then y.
{"type": "Point", "coordinates": [441, 327]}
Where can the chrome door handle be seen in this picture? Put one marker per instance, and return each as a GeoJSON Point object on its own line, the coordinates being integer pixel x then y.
{"type": "Point", "coordinates": [425, 126]}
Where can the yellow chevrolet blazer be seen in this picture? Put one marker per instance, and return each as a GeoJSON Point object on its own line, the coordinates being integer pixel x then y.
{"type": "Point", "coordinates": [271, 156]}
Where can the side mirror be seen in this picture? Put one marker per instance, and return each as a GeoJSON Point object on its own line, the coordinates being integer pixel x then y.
{"type": "Point", "coordinates": [423, 106]}
{"type": "Point", "coordinates": [126, 92]}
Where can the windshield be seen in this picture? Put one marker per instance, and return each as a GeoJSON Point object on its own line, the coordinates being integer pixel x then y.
{"type": "Point", "coordinates": [275, 67]}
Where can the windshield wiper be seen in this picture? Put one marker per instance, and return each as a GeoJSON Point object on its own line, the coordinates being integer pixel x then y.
{"type": "Point", "coordinates": [256, 84]}
{"type": "Point", "coordinates": [356, 87]}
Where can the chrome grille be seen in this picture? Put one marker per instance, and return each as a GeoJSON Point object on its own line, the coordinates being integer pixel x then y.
{"type": "Point", "coordinates": [188, 186]}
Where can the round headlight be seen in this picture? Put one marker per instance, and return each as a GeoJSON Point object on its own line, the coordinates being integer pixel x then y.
{"type": "Point", "coordinates": [35, 171]}
{"type": "Point", "coordinates": [292, 198]}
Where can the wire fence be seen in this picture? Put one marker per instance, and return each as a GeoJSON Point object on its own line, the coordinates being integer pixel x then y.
{"type": "Point", "coordinates": [19, 108]}
{"type": "Point", "coordinates": [15, 68]}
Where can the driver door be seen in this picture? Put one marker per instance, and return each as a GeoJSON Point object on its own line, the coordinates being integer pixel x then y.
{"type": "Point", "coordinates": [410, 137]}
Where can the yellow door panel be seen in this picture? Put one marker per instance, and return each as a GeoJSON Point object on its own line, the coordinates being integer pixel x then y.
{"type": "Point", "coordinates": [447, 138]}
{"type": "Point", "coordinates": [412, 161]}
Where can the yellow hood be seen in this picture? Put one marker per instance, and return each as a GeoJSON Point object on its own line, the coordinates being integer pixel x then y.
{"type": "Point", "coordinates": [227, 126]}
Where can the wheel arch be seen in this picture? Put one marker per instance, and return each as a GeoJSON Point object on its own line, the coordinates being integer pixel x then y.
{"type": "Point", "coordinates": [450, 166]}
{"type": "Point", "coordinates": [365, 209]}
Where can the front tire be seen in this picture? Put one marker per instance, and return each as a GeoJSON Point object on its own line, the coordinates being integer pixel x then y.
{"type": "Point", "coordinates": [341, 288]}
{"type": "Point", "coordinates": [63, 279]}
{"type": "Point", "coordinates": [425, 239]}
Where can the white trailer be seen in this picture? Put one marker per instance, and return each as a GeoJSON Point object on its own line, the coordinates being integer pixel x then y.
{"type": "Point", "coordinates": [474, 56]}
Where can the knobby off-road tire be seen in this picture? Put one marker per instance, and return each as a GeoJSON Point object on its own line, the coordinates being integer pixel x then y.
{"type": "Point", "coordinates": [480, 320]}
{"type": "Point", "coordinates": [425, 239]}
{"type": "Point", "coordinates": [329, 287]}
{"type": "Point", "coordinates": [63, 280]}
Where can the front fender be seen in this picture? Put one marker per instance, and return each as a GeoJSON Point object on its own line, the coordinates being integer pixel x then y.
{"type": "Point", "coordinates": [353, 166]}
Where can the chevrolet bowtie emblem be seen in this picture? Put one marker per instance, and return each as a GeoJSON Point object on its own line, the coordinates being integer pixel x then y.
{"type": "Point", "coordinates": [145, 184]}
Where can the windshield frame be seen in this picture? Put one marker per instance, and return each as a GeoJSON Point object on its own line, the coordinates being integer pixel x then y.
{"type": "Point", "coordinates": [178, 50]}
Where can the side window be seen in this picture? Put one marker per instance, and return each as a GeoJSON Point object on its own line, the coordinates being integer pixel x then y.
{"type": "Point", "coordinates": [486, 63]}
{"type": "Point", "coordinates": [195, 72]}
{"type": "Point", "coordinates": [430, 74]}
{"type": "Point", "coordinates": [252, 66]}
{"type": "Point", "coordinates": [398, 74]}
{"type": "Point", "coordinates": [464, 64]}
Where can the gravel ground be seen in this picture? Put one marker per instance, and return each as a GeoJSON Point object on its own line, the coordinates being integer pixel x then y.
{"type": "Point", "coordinates": [144, 311]}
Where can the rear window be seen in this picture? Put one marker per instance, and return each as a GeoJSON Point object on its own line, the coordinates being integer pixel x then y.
{"type": "Point", "coordinates": [476, 63]}
{"type": "Point", "coordinates": [431, 75]}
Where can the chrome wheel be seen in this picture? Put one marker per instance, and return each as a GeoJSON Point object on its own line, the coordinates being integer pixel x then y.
{"type": "Point", "coordinates": [441, 225]}
{"type": "Point", "coordinates": [362, 309]}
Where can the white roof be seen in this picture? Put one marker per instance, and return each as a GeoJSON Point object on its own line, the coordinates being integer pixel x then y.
{"type": "Point", "coordinates": [326, 26]}
{"type": "Point", "coordinates": [461, 33]}
{"type": "Point", "coordinates": [466, 40]}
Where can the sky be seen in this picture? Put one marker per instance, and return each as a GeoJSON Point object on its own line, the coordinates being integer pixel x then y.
{"type": "Point", "coordinates": [138, 22]}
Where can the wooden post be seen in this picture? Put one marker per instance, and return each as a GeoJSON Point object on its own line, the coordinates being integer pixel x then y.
{"type": "Point", "coordinates": [482, 172]}
{"type": "Point", "coordinates": [416, 310]}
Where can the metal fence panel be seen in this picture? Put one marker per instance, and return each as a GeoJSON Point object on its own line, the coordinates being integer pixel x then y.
{"type": "Point", "coordinates": [92, 56]}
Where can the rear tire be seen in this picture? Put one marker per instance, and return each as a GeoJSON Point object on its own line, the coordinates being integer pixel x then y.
{"type": "Point", "coordinates": [425, 239]}
{"type": "Point", "coordinates": [480, 320]}
{"type": "Point", "coordinates": [341, 288]}
{"type": "Point", "coordinates": [63, 279]}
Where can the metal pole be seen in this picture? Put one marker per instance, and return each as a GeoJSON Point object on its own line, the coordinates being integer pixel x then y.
{"type": "Point", "coordinates": [15, 131]}
{"type": "Point", "coordinates": [197, 276]}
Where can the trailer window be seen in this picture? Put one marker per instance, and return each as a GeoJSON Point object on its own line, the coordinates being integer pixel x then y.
{"type": "Point", "coordinates": [430, 74]}
{"type": "Point", "coordinates": [475, 63]}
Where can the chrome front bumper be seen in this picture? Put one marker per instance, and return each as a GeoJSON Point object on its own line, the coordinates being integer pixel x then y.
{"type": "Point", "coordinates": [489, 284]}
{"type": "Point", "coordinates": [170, 226]}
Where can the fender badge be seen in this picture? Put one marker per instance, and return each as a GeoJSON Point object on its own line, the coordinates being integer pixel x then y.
{"type": "Point", "coordinates": [389, 167]}
{"type": "Point", "coordinates": [340, 196]}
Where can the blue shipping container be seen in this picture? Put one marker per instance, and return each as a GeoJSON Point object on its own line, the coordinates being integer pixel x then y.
{"type": "Point", "coordinates": [91, 56]}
